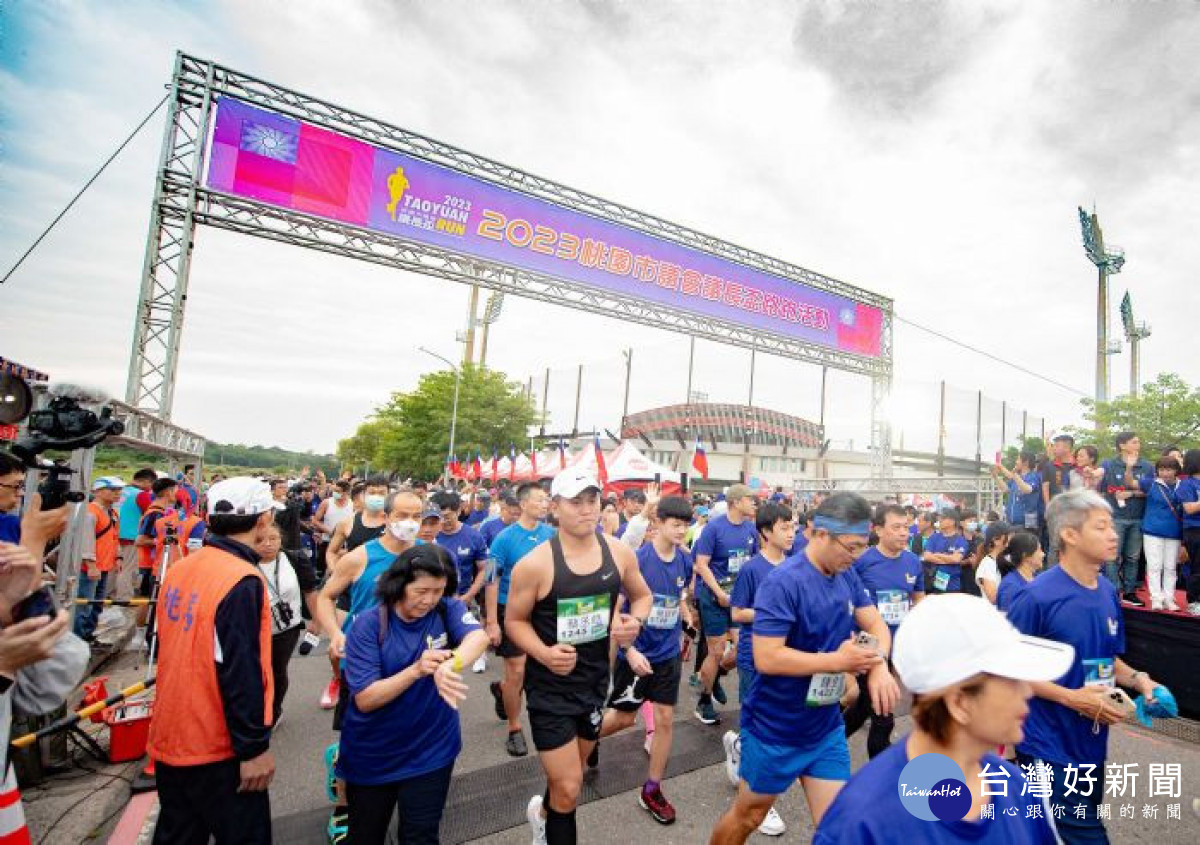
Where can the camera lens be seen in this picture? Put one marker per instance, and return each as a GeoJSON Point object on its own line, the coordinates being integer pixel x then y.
{"type": "Point", "coordinates": [16, 399]}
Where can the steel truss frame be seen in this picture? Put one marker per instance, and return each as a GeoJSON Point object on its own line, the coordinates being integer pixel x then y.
{"type": "Point", "coordinates": [181, 202]}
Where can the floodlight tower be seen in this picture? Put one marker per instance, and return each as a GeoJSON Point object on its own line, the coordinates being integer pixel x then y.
{"type": "Point", "coordinates": [1135, 333]}
{"type": "Point", "coordinates": [1108, 261]}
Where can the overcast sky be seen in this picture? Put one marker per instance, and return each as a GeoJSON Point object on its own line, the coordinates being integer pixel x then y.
{"type": "Point", "coordinates": [933, 152]}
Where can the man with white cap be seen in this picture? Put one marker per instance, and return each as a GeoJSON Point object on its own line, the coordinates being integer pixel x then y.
{"type": "Point", "coordinates": [100, 538]}
{"type": "Point", "coordinates": [211, 731]}
{"type": "Point", "coordinates": [561, 612]}
{"type": "Point", "coordinates": [967, 700]}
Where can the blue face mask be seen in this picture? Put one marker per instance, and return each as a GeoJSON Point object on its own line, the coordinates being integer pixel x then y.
{"type": "Point", "coordinates": [374, 503]}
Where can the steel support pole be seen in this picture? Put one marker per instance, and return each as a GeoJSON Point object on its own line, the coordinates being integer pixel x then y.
{"type": "Point", "coordinates": [628, 353]}
{"type": "Point", "coordinates": [979, 431]}
{"type": "Point", "coordinates": [472, 311]}
{"type": "Point", "coordinates": [545, 399]}
{"type": "Point", "coordinates": [578, 394]}
{"type": "Point", "coordinates": [941, 449]}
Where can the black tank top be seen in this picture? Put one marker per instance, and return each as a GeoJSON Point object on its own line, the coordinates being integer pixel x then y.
{"type": "Point", "coordinates": [577, 610]}
{"type": "Point", "coordinates": [360, 533]}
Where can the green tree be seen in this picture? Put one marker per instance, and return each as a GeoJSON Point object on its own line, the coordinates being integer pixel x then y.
{"type": "Point", "coordinates": [1166, 412]}
{"type": "Point", "coordinates": [411, 433]}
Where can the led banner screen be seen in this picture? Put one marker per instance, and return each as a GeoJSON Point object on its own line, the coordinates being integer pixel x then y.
{"type": "Point", "coordinates": [285, 162]}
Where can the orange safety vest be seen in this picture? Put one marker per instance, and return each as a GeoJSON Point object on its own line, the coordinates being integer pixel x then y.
{"type": "Point", "coordinates": [149, 557]}
{"type": "Point", "coordinates": [108, 533]}
{"type": "Point", "coordinates": [185, 532]}
{"type": "Point", "coordinates": [188, 727]}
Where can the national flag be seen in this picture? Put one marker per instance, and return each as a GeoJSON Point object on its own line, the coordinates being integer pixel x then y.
{"type": "Point", "coordinates": [455, 467]}
{"type": "Point", "coordinates": [477, 467]}
{"type": "Point", "coordinates": [512, 462]}
{"type": "Point", "coordinates": [533, 465]}
{"type": "Point", "coordinates": [601, 469]}
{"type": "Point", "coordinates": [700, 460]}
{"type": "Point", "coordinates": [495, 465]}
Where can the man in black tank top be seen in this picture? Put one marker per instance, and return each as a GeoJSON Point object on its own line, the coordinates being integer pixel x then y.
{"type": "Point", "coordinates": [560, 612]}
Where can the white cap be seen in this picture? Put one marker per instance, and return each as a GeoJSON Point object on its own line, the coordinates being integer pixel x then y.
{"type": "Point", "coordinates": [108, 482]}
{"type": "Point", "coordinates": [241, 496]}
{"type": "Point", "coordinates": [572, 481]}
{"type": "Point", "coordinates": [949, 638]}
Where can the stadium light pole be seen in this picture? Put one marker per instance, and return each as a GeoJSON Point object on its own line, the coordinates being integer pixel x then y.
{"type": "Point", "coordinates": [1108, 260]}
{"type": "Point", "coordinates": [454, 411]}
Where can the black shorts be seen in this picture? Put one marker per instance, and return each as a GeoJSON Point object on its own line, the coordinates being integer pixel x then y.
{"type": "Point", "coordinates": [551, 731]}
{"type": "Point", "coordinates": [145, 585]}
{"type": "Point", "coordinates": [661, 686]}
{"type": "Point", "coordinates": [507, 647]}
{"type": "Point", "coordinates": [343, 703]}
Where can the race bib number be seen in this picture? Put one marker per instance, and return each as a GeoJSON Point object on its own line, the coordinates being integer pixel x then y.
{"type": "Point", "coordinates": [736, 559]}
{"type": "Point", "coordinates": [584, 619]}
{"type": "Point", "coordinates": [893, 605]}
{"type": "Point", "coordinates": [825, 688]}
{"type": "Point", "coordinates": [664, 613]}
{"type": "Point", "coordinates": [1031, 520]}
{"type": "Point", "coordinates": [1101, 672]}
{"type": "Point", "coordinates": [941, 581]}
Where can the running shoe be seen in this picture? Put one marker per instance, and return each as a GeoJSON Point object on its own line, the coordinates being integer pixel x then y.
{"type": "Point", "coordinates": [308, 642]}
{"type": "Point", "coordinates": [498, 698]}
{"type": "Point", "coordinates": [515, 744]}
{"type": "Point", "coordinates": [706, 713]}
{"type": "Point", "coordinates": [1171, 605]}
{"type": "Point", "coordinates": [480, 664]}
{"type": "Point", "coordinates": [657, 805]}
{"type": "Point", "coordinates": [338, 829]}
{"type": "Point", "coordinates": [330, 696]}
{"type": "Point", "coordinates": [537, 824]}
{"type": "Point", "coordinates": [331, 755]}
{"type": "Point", "coordinates": [719, 692]}
{"type": "Point", "coordinates": [694, 681]}
{"type": "Point", "coordinates": [733, 756]}
{"type": "Point", "coordinates": [773, 824]}
{"type": "Point", "coordinates": [1194, 609]}
{"type": "Point", "coordinates": [1132, 598]}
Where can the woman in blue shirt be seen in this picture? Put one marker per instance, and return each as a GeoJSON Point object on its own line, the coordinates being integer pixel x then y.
{"type": "Point", "coordinates": [403, 665]}
{"type": "Point", "coordinates": [1020, 561]}
{"type": "Point", "coordinates": [1188, 493]}
{"type": "Point", "coordinates": [1162, 532]}
{"type": "Point", "coordinates": [965, 703]}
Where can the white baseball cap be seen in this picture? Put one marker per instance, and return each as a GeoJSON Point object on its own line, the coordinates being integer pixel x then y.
{"type": "Point", "coordinates": [572, 481]}
{"type": "Point", "coordinates": [108, 482]}
{"type": "Point", "coordinates": [949, 638]}
{"type": "Point", "coordinates": [241, 496]}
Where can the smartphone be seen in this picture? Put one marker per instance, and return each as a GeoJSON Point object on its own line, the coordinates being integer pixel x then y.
{"type": "Point", "coordinates": [38, 603]}
{"type": "Point", "coordinates": [866, 640]}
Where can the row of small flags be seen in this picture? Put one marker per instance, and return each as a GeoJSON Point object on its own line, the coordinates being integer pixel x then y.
{"type": "Point", "coordinates": [471, 469]}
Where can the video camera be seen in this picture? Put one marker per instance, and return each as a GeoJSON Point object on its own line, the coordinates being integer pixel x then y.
{"type": "Point", "coordinates": [64, 425]}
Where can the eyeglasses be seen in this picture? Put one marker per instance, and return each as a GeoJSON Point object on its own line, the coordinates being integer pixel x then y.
{"type": "Point", "coordinates": [20, 485]}
{"type": "Point", "coordinates": [854, 551]}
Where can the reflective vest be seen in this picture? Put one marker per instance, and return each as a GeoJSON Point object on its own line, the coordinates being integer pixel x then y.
{"type": "Point", "coordinates": [150, 556]}
{"type": "Point", "coordinates": [108, 535]}
{"type": "Point", "coordinates": [185, 533]}
{"type": "Point", "coordinates": [189, 727]}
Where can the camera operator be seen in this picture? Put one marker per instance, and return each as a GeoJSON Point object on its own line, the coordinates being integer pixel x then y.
{"type": "Point", "coordinates": [290, 519]}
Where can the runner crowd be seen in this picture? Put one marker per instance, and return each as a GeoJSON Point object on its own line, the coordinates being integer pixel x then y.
{"type": "Point", "coordinates": [605, 606]}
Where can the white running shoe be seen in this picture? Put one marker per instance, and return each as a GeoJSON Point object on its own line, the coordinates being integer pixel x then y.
{"type": "Point", "coordinates": [733, 757]}
{"type": "Point", "coordinates": [1171, 605]}
{"type": "Point", "coordinates": [480, 664]}
{"type": "Point", "coordinates": [1156, 604]}
{"type": "Point", "coordinates": [773, 824]}
{"type": "Point", "coordinates": [533, 814]}
{"type": "Point", "coordinates": [1194, 609]}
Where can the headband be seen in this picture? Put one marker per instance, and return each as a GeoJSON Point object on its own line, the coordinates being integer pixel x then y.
{"type": "Point", "coordinates": [838, 526]}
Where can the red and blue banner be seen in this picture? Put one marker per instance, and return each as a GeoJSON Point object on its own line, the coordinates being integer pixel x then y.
{"type": "Point", "coordinates": [281, 161]}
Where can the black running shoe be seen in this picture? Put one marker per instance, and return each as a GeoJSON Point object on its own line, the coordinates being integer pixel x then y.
{"type": "Point", "coordinates": [515, 745]}
{"type": "Point", "coordinates": [498, 697]}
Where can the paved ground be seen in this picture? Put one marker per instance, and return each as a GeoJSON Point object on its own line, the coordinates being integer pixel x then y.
{"type": "Point", "coordinates": [80, 806]}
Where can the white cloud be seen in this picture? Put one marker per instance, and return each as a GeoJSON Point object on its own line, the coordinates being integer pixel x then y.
{"type": "Point", "coordinates": [932, 152]}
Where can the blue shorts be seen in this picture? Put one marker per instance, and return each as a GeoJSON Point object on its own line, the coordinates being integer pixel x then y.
{"type": "Point", "coordinates": [715, 621]}
{"type": "Point", "coordinates": [771, 769]}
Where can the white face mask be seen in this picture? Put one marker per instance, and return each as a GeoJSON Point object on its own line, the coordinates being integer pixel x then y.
{"type": "Point", "coordinates": [404, 530]}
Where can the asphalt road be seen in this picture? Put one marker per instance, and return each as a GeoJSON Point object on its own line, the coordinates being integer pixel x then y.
{"type": "Point", "coordinates": [699, 796]}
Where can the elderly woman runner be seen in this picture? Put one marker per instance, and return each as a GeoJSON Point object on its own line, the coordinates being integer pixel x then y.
{"type": "Point", "coordinates": [403, 665]}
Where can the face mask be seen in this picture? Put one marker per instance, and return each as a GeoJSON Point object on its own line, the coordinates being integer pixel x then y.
{"type": "Point", "coordinates": [374, 503]}
{"type": "Point", "coordinates": [404, 530]}
{"type": "Point", "coordinates": [972, 526]}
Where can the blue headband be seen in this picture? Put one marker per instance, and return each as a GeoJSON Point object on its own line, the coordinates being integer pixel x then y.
{"type": "Point", "coordinates": [837, 526]}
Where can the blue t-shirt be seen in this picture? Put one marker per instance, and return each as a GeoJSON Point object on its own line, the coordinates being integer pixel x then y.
{"type": "Point", "coordinates": [891, 581]}
{"type": "Point", "coordinates": [798, 545]}
{"type": "Point", "coordinates": [416, 732]}
{"type": "Point", "coordinates": [512, 544]}
{"type": "Point", "coordinates": [362, 589]}
{"type": "Point", "coordinates": [728, 547]}
{"type": "Point", "coordinates": [1114, 476]}
{"type": "Point", "coordinates": [477, 516]}
{"type": "Point", "coordinates": [745, 588]}
{"type": "Point", "coordinates": [813, 612]}
{"type": "Point", "coordinates": [1189, 491]}
{"type": "Point", "coordinates": [10, 528]}
{"type": "Point", "coordinates": [1025, 509]}
{"type": "Point", "coordinates": [1163, 510]}
{"type": "Point", "coordinates": [1006, 592]}
{"type": "Point", "coordinates": [1057, 607]}
{"type": "Point", "coordinates": [869, 809]}
{"type": "Point", "coordinates": [129, 514]}
{"type": "Point", "coordinates": [659, 641]}
{"type": "Point", "coordinates": [491, 529]}
{"type": "Point", "coordinates": [467, 548]}
{"type": "Point", "coordinates": [947, 578]}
